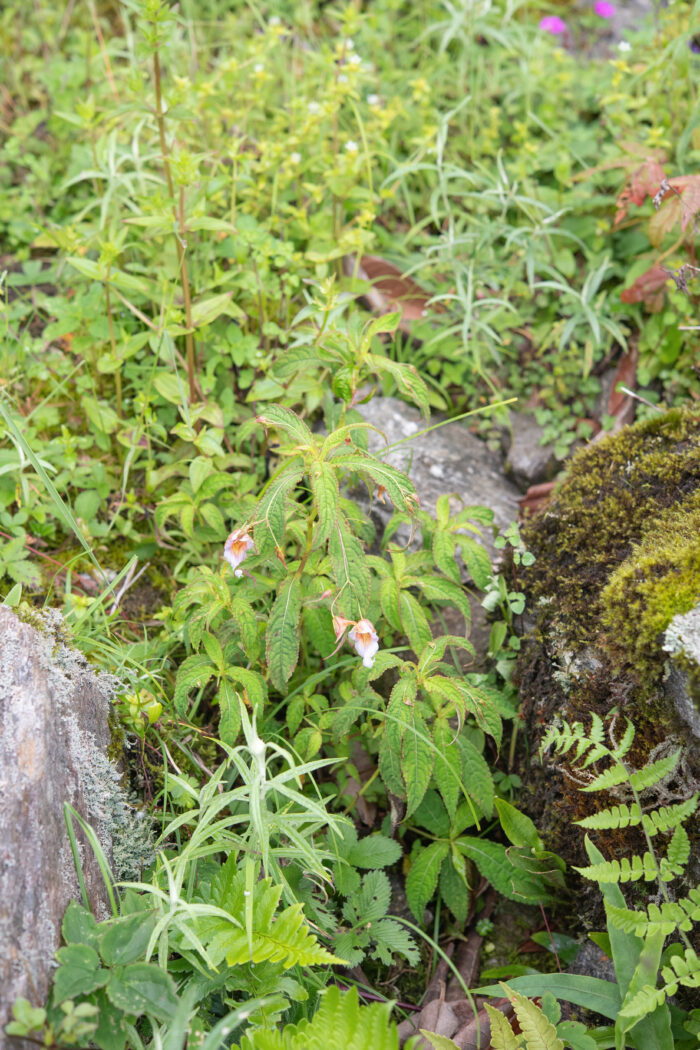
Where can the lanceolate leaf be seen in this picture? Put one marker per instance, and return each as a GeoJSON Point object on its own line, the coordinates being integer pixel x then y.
{"type": "Point", "coordinates": [414, 622]}
{"type": "Point", "coordinates": [418, 753]}
{"type": "Point", "coordinates": [444, 554]}
{"type": "Point", "coordinates": [284, 419]}
{"type": "Point", "coordinates": [350, 571]}
{"type": "Point", "coordinates": [492, 861]}
{"type": "Point", "coordinates": [422, 879]}
{"type": "Point", "coordinates": [476, 776]}
{"type": "Point", "coordinates": [324, 486]}
{"type": "Point", "coordinates": [448, 766]}
{"type": "Point", "coordinates": [269, 530]}
{"type": "Point", "coordinates": [477, 560]}
{"type": "Point", "coordinates": [283, 633]}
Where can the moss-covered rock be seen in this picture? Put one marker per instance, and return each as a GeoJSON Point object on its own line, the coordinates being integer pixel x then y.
{"type": "Point", "coordinates": [617, 559]}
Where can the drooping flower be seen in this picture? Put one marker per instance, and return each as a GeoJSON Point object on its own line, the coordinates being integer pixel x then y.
{"type": "Point", "coordinates": [366, 641]}
{"type": "Point", "coordinates": [553, 24]}
{"type": "Point", "coordinates": [604, 9]}
{"type": "Point", "coordinates": [236, 549]}
{"type": "Point", "coordinates": [340, 625]}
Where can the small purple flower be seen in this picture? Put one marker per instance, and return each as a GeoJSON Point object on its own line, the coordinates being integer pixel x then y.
{"type": "Point", "coordinates": [604, 9]}
{"type": "Point", "coordinates": [694, 45]}
{"type": "Point", "coordinates": [553, 24]}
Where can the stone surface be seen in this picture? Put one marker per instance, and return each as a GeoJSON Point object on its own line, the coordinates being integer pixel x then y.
{"type": "Point", "coordinates": [54, 736]}
{"type": "Point", "coordinates": [682, 685]}
{"type": "Point", "coordinates": [447, 460]}
{"type": "Point", "coordinates": [528, 462]}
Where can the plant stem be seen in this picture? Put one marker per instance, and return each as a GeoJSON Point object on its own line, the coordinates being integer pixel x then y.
{"type": "Point", "coordinates": [179, 215]}
{"type": "Point", "coordinates": [113, 344]}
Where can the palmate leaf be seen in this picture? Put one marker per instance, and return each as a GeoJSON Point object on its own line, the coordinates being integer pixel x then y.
{"type": "Point", "coordinates": [282, 646]}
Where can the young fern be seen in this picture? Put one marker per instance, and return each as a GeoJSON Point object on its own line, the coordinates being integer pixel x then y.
{"type": "Point", "coordinates": [649, 927]}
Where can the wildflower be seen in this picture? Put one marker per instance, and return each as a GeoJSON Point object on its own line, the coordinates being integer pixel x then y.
{"type": "Point", "coordinates": [553, 24]}
{"type": "Point", "coordinates": [366, 641]}
{"type": "Point", "coordinates": [236, 549]}
{"type": "Point", "coordinates": [354, 60]}
{"type": "Point", "coordinates": [351, 146]}
{"type": "Point", "coordinates": [624, 45]}
{"type": "Point", "coordinates": [694, 45]}
{"type": "Point", "coordinates": [295, 158]}
{"type": "Point", "coordinates": [604, 9]}
{"type": "Point", "coordinates": [342, 79]}
{"type": "Point", "coordinates": [349, 44]}
{"type": "Point", "coordinates": [373, 100]}
{"type": "Point", "coordinates": [314, 107]}
{"type": "Point", "coordinates": [275, 20]}
{"type": "Point", "coordinates": [340, 625]}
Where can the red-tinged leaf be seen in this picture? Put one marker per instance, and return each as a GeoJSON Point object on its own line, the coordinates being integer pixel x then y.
{"type": "Point", "coordinates": [390, 289]}
{"type": "Point", "coordinates": [644, 182]}
{"type": "Point", "coordinates": [690, 199]}
{"type": "Point", "coordinates": [663, 220]}
{"type": "Point", "coordinates": [536, 499]}
{"type": "Point", "coordinates": [626, 374]}
{"type": "Point", "coordinates": [648, 289]}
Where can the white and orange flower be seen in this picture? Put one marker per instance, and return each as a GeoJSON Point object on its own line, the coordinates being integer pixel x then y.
{"type": "Point", "coordinates": [236, 549]}
{"type": "Point", "coordinates": [366, 641]}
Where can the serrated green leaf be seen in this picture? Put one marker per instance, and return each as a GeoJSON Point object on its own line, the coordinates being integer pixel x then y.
{"type": "Point", "coordinates": [143, 988]}
{"type": "Point", "coordinates": [350, 571]}
{"type": "Point", "coordinates": [282, 642]}
{"type": "Point", "coordinates": [271, 511]}
{"type": "Point", "coordinates": [324, 486]}
{"type": "Point", "coordinates": [374, 851]}
{"type": "Point", "coordinates": [284, 419]}
{"type": "Point", "coordinates": [477, 561]}
{"type": "Point", "coordinates": [79, 973]}
{"type": "Point", "coordinates": [417, 755]}
{"type": "Point", "coordinates": [422, 879]}
{"type": "Point", "coordinates": [414, 622]}
{"type": "Point", "coordinates": [229, 713]}
{"type": "Point", "coordinates": [444, 554]}
{"type": "Point", "coordinates": [448, 765]}
{"type": "Point", "coordinates": [476, 776]}
{"type": "Point", "coordinates": [518, 827]}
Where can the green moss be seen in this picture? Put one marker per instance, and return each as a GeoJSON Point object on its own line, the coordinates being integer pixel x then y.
{"type": "Point", "coordinates": [614, 493]}
{"type": "Point", "coordinates": [659, 580]}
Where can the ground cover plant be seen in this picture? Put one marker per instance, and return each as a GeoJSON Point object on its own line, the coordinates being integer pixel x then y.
{"type": "Point", "coordinates": [224, 228]}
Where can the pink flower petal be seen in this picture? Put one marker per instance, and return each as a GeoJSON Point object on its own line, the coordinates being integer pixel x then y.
{"type": "Point", "coordinates": [553, 24]}
{"type": "Point", "coordinates": [604, 9]}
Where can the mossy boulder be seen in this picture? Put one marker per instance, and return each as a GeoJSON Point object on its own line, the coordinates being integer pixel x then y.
{"type": "Point", "coordinates": [617, 560]}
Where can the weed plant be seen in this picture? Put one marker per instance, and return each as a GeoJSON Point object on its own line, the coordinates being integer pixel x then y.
{"type": "Point", "coordinates": [188, 192]}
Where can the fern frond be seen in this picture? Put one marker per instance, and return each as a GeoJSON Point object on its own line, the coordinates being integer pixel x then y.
{"type": "Point", "coordinates": [339, 1021]}
{"type": "Point", "coordinates": [622, 871]}
{"type": "Point", "coordinates": [665, 919]}
{"type": "Point", "coordinates": [502, 1037]}
{"type": "Point", "coordinates": [676, 858]}
{"type": "Point", "coordinates": [609, 778]}
{"type": "Point", "coordinates": [684, 970]}
{"type": "Point", "coordinates": [626, 742]}
{"type": "Point", "coordinates": [668, 817]}
{"type": "Point", "coordinates": [616, 817]}
{"type": "Point", "coordinates": [655, 771]}
{"type": "Point", "coordinates": [540, 1033]}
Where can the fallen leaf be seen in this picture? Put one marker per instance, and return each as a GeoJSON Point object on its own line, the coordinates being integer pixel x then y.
{"type": "Point", "coordinates": [648, 289]}
{"type": "Point", "coordinates": [626, 373]}
{"type": "Point", "coordinates": [390, 289]}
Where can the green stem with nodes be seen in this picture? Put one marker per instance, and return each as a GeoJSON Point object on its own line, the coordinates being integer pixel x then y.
{"type": "Point", "coordinates": [180, 237]}
{"type": "Point", "coordinates": [113, 344]}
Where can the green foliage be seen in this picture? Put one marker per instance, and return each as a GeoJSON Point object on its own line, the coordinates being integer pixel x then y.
{"type": "Point", "coordinates": [340, 1022]}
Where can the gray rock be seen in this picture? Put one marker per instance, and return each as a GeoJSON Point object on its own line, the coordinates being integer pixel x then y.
{"type": "Point", "coordinates": [529, 462]}
{"type": "Point", "coordinates": [447, 460]}
{"type": "Point", "coordinates": [682, 642]}
{"type": "Point", "coordinates": [54, 736]}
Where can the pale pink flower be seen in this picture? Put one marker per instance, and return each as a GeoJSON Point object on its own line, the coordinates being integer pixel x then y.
{"type": "Point", "coordinates": [340, 625]}
{"type": "Point", "coordinates": [366, 641]}
{"type": "Point", "coordinates": [236, 549]}
{"type": "Point", "coordinates": [604, 9]}
{"type": "Point", "coordinates": [553, 24]}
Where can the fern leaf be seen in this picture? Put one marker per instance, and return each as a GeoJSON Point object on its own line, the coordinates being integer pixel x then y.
{"type": "Point", "coordinates": [626, 742]}
{"type": "Point", "coordinates": [339, 1021]}
{"type": "Point", "coordinates": [539, 1032]}
{"type": "Point", "coordinates": [610, 778]}
{"type": "Point", "coordinates": [668, 817]}
{"type": "Point", "coordinates": [674, 862]}
{"type": "Point", "coordinates": [670, 916]}
{"type": "Point", "coordinates": [621, 871]}
{"type": "Point", "coordinates": [616, 817]}
{"type": "Point", "coordinates": [684, 970]}
{"type": "Point", "coordinates": [654, 772]}
{"type": "Point", "coordinates": [502, 1037]}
